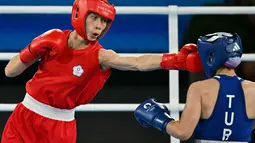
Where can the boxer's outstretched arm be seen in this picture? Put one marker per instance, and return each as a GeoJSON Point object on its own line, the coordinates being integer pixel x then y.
{"type": "Point", "coordinates": [186, 59]}
{"type": "Point", "coordinates": [134, 63]}
{"type": "Point", "coordinates": [184, 128]}
{"type": "Point", "coordinates": [16, 66]}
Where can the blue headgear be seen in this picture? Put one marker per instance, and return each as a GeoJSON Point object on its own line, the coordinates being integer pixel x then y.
{"type": "Point", "coordinates": [219, 49]}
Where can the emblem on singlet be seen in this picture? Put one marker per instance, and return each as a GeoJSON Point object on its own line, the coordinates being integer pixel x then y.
{"type": "Point", "coordinates": [77, 70]}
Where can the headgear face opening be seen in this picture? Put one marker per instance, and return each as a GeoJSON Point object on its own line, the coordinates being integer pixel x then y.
{"type": "Point", "coordinates": [219, 49]}
{"type": "Point", "coordinates": [82, 8]}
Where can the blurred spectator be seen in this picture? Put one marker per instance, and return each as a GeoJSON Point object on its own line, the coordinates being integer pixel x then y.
{"type": "Point", "coordinates": [244, 25]}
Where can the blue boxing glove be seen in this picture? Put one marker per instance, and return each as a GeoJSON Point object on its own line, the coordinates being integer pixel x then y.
{"type": "Point", "coordinates": [151, 113]}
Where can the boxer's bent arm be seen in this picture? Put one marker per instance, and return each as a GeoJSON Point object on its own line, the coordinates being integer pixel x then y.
{"type": "Point", "coordinates": [16, 66]}
{"type": "Point", "coordinates": [184, 128]}
{"type": "Point", "coordinates": [134, 63]}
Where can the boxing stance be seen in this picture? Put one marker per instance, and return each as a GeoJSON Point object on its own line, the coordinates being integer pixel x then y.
{"type": "Point", "coordinates": [73, 68]}
{"type": "Point", "coordinates": [219, 108]}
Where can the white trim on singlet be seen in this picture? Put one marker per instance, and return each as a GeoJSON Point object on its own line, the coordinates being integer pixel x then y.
{"type": "Point", "coordinates": [46, 110]}
{"type": "Point", "coordinates": [217, 77]}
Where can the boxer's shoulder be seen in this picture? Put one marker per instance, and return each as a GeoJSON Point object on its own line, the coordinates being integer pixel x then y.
{"type": "Point", "coordinates": [205, 86]}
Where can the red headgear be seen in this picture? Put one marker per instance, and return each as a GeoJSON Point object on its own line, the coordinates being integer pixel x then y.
{"type": "Point", "coordinates": [81, 9]}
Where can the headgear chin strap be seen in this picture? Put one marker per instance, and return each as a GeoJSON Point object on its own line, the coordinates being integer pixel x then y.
{"type": "Point", "coordinates": [81, 9]}
{"type": "Point", "coordinates": [219, 49]}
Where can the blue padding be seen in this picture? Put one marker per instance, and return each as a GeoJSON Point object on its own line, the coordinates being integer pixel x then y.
{"type": "Point", "coordinates": [133, 33]}
{"type": "Point", "coordinates": [129, 33]}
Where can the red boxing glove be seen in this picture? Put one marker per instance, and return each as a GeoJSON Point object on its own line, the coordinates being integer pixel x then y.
{"type": "Point", "coordinates": [193, 63]}
{"type": "Point", "coordinates": [187, 59]}
{"type": "Point", "coordinates": [51, 42]}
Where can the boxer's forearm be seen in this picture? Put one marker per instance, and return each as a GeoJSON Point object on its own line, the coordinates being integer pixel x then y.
{"type": "Point", "coordinates": [15, 67]}
{"type": "Point", "coordinates": [174, 129]}
{"type": "Point", "coordinates": [134, 63]}
{"type": "Point", "coordinates": [148, 62]}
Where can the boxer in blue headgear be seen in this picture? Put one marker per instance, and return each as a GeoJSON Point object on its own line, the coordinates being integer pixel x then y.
{"type": "Point", "coordinates": [219, 49]}
{"type": "Point", "coordinates": [219, 108]}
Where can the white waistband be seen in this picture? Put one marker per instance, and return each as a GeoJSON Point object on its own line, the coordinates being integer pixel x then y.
{"type": "Point", "coordinates": [46, 110]}
{"type": "Point", "coordinates": [212, 141]}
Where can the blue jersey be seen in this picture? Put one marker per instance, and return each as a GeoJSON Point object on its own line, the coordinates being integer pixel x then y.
{"type": "Point", "coordinates": [229, 121]}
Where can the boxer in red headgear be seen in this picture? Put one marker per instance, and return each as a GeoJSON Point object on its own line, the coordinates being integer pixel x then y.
{"type": "Point", "coordinates": [73, 68]}
{"type": "Point", "coordinates": [82, 8]}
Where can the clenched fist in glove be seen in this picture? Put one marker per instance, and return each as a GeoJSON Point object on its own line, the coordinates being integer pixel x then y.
{"type": "Point", "coordinates": [187, 59]}
{"type": "Point", "coordinates": [52, 42]}
{"type": "Point", "coordinates": [150, 113]}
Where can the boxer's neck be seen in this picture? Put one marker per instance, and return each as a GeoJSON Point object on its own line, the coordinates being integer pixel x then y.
{"type": "Point", "coordinates": [226, 71]}
{"type": "Point", "coordinates": [77, 42]}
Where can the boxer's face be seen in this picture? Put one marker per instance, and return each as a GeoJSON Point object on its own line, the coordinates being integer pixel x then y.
{"type": "Point", "coordinates": [95, 25]}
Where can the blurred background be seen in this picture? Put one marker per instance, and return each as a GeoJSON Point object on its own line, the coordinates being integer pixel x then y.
{"type": "Point", "coordinates": [128, 34]}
